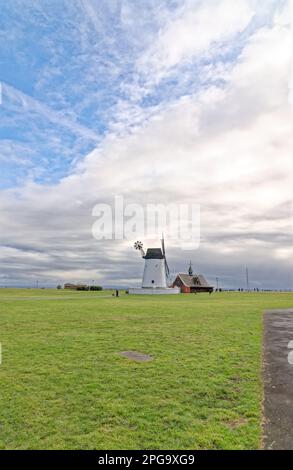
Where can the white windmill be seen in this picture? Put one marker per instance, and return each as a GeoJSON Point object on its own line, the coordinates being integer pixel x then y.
{"type": "Point", "coordinates": [156, 271]}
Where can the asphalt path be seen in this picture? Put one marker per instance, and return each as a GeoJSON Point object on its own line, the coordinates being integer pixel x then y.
{"type": "Point", "coordinates": [278, 380]}
{"type": "Point", "coordinates": [56, 298]}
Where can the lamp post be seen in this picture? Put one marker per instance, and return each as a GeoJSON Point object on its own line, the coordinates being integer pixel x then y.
{"type": "Point", "coordinates": [247, 280]}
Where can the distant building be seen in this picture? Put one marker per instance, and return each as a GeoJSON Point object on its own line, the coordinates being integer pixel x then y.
{"type": "Point", "coordinates": [75, 286]}
{"type": "Point", "coordinates": [192, 283]}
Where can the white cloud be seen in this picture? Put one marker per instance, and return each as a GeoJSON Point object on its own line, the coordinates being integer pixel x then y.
{"type": "Point", "coordinates": [193, 31]}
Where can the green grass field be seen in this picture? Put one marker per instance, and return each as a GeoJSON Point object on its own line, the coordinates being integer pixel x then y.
{"type": "Point", "coordinates": [65, 386]}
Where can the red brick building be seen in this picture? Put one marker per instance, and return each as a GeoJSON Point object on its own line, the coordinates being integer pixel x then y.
{"type": "Point", "coordinates": [75, 286]}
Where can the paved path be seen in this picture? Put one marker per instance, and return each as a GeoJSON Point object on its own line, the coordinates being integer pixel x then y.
{"type": "Point", "coordinates": [83, 297]}
{"type": "Point", "coordinates": [278, 379]}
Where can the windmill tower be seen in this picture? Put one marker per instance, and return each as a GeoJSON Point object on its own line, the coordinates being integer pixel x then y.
{"type": "Point", "coordinates": [156, 271]}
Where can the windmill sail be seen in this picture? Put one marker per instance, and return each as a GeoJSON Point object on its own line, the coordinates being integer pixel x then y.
{"type": "Point", "coordinates": [139, 246]}
{"type": "Point", "coordinates": [164, 254]}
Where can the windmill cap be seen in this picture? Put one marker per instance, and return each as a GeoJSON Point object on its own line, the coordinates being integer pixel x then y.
{"type": "Point", "coordinates": [154, 253]}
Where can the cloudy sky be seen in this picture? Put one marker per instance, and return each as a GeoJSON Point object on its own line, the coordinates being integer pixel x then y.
{"type": "Point", "coordinates": [158, 101]}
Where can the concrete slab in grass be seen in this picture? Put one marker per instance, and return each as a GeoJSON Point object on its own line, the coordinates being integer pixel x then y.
{"type": "Point", "coordinates": [136, 356]}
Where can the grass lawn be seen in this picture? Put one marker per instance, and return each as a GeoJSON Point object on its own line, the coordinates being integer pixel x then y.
{"type": "Point", "coordinates": [63, 384]}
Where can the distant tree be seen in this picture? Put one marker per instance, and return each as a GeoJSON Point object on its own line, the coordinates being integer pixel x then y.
{"type": "Point", "coordinates": [96, 288]}
{"type": "Point", "coordinates": [59, 287]}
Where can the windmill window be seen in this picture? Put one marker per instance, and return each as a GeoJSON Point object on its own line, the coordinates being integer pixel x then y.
{"type": "Point", "coordinates": [153, 281]}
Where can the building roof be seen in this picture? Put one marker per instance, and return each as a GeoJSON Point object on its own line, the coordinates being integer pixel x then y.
{"type": "Point", "coordinates": [154, 253]}
{"type": "Point", "coordinates": [69, 284]}
{"type": "Point", "coordinates": [196, 280]}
